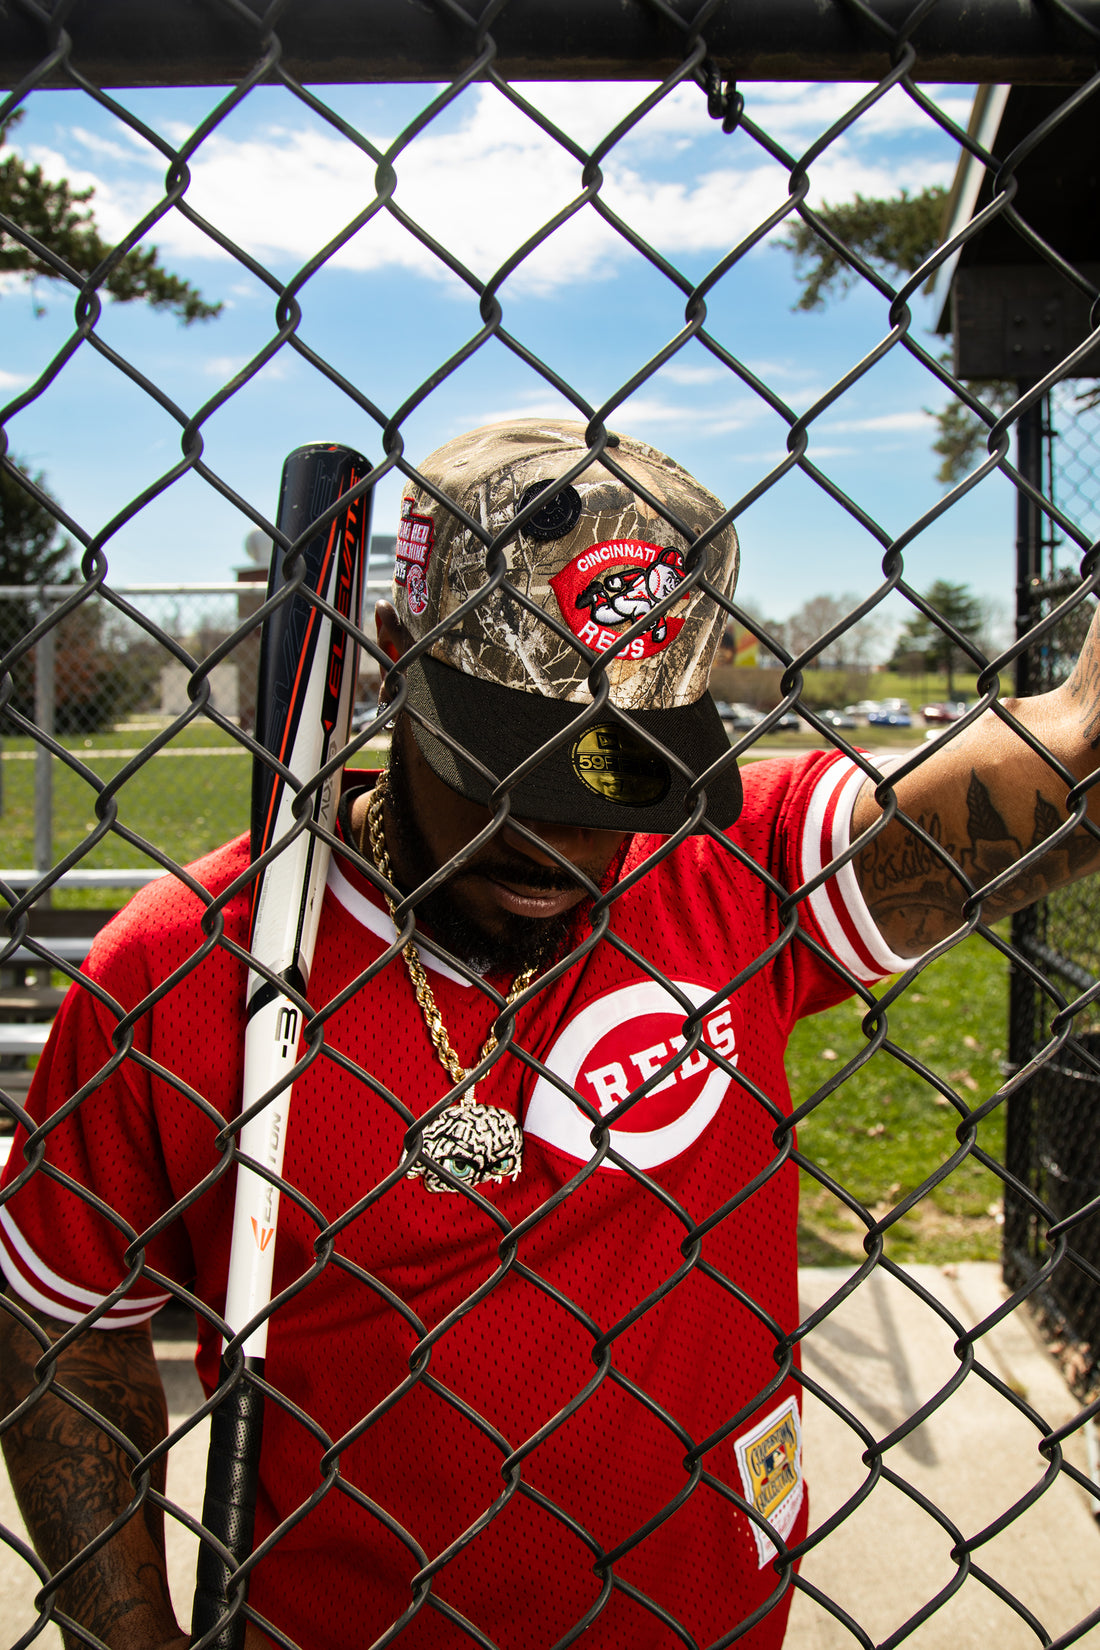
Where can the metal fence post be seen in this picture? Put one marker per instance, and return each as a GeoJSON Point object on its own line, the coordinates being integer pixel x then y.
{"type": "Point", "coordinates": [1022, 1000]}
{"type": "Point", "coordinates": [45, 702]}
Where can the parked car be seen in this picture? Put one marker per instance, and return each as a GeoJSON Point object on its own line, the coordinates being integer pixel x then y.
{"type": "Point", "coordinates": [862, 711]}
{"type": "Point", "coordinates": [739, 718]}
{"type": "Point", "coordinates": [890, 719]}
{"type": "Point", "coordinates": [948, 712]}
{"type": "Point", "coordinates": [838, 719]}
{"type": "Point", "coordinates": [789, 722]}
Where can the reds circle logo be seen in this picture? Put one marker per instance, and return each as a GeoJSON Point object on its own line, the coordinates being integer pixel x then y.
{"type": "Point", "coordinates": [609, 1049]}
{"type": "Point", "coordinates": [416, 593]}
{"type": "Point", "coordinates": [616, 583]}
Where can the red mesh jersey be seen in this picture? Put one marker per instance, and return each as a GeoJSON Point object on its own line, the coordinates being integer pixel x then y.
{"type": "Point", "coordinates": [498, 1398]}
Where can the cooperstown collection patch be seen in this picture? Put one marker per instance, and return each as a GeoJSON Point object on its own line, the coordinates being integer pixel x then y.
{"type": "Point", "coordinates": [770, 1459]}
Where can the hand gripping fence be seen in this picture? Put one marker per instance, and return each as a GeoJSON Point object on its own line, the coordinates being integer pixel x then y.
{"type": "Point", "coordinates": [950, 1123]}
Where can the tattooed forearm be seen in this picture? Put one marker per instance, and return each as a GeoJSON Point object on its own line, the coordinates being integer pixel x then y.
{"type": "Point", "coordinates": [71, 1480]}
{"type": "Point", "coordinates": [888, 863]}
{"type": "Point", "coordinates": [1084, 688]}
{"type": "Point", "coordinates": [917, 885]}
{"type": "Point", "coordinates": [975, 806]}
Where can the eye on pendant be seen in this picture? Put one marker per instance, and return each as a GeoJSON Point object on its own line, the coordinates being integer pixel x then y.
{"type": "Point", "coordinates": [478, 1145]}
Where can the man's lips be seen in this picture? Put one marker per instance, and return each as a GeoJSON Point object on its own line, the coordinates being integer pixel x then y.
{"type": "Point", "coordinates": [526, 889]}
{"type": "Point", "coordinates": [524, 901]}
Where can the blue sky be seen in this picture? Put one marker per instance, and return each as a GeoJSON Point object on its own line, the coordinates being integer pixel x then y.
{"type": "Point", "coordinates": [481, 178]}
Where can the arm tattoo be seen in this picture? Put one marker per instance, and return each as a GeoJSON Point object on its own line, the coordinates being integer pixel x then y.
{"type": "Point", "coordinates": [915, 891]}
{"type": "Point", "coordinates": [71, 1480]}
{"type": "Point", "coordinates": [1084, 686]}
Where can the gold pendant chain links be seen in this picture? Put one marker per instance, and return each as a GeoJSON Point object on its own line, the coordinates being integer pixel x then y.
{"type": "Point", "coordinates": [437, 1031]}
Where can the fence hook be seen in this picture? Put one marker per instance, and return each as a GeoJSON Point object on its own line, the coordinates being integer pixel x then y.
{"type": "Point", "coordinates": [726, 106]}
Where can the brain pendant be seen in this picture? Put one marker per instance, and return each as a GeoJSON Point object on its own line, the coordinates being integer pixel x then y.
{"type": "Point", "coordinates": [476, 1144]}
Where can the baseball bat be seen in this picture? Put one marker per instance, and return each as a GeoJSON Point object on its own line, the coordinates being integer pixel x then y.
{"type": "Point", "coordinates": [306, 689]}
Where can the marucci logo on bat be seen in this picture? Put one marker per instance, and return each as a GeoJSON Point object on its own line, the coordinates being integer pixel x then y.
{"type": "Point", "coordinates": [262, 1234]}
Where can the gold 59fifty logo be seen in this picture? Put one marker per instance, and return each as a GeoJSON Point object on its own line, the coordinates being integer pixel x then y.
{"type": "Point", "coordinates": [618, 765]}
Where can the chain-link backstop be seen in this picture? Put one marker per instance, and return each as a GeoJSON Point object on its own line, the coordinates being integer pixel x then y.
{"type": "Point", "coordinates": [79, 657]}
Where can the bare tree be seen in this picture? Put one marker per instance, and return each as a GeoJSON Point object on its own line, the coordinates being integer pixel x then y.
{"type": "Point", "coordinates": [853, 649]}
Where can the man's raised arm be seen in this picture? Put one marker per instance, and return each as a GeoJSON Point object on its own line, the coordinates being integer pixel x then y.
{"type": "Point", "coordinates": [71, 1480]}
{"type": "Point", "coordinates": [987, 799]}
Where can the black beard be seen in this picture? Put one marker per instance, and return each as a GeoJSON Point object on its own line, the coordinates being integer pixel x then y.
{"type": "Point", "coordinates": [523, 942]}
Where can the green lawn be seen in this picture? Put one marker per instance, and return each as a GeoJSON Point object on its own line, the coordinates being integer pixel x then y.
{"type": "Point", "coordinates": [186, 804]}
{"type": "Point", "coordinates": [885, 1131]}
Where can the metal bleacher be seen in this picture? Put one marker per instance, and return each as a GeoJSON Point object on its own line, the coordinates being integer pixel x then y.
{"type": "Point", "coordinates": [30, 994]}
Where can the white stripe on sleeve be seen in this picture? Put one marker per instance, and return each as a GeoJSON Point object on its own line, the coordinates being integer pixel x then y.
{"type": "Point", "coordinates": [41, 1287]}
{"type": "Point", "coordinates": [838, 905]}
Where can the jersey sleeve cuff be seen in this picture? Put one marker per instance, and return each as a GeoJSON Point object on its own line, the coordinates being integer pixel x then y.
{"type": "Point", "coordinates": [43, 1289]}
{"type": "Point", "coordinates": [837, 905]}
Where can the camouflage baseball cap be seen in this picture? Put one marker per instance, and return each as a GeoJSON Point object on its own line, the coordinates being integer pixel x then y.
{"type": "Point", "coordinates": [591, 650]}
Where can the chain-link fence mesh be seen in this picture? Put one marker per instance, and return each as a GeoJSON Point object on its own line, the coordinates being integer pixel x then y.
{"type": "Point", "coordinates": [569, 1403]}
{"type": "Point", "coordinates": [98, 681]}
{"type": "Point", "coordinates": [1055, 1149]}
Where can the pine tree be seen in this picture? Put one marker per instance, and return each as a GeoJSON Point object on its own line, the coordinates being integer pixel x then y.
{"type": "Point", "coordinates": [935, 650]}
{"type": "Point", "coordinates": [894, 235]}
{"type": "Point", "coordinates": [59, 217]}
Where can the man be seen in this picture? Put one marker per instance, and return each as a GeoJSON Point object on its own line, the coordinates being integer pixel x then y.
{"type": "Point", "coordinates": [533, 1357]}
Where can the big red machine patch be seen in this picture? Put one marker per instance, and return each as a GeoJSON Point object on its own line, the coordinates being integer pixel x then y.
{"type": "Point", "coordinates": [611, 585]}
{"type": "Point", "coordinates": [415, 539]}
{"type": "Point", "coordinates": [611, 1047]}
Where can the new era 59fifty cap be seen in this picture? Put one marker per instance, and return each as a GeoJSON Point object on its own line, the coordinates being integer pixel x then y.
{"type": "Point", "coordinates": [570, 636]}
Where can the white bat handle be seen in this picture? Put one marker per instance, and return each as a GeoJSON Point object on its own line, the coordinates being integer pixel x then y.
{"type": "Point", "coordinates": [271, 1048]}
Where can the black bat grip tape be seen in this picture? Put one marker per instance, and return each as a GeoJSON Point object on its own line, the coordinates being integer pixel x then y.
{"type": "Point", "coordinates": [228, 1510]}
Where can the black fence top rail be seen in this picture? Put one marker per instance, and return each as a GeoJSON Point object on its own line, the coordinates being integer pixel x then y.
{"type": "Point", "coordinates": [213, 42]}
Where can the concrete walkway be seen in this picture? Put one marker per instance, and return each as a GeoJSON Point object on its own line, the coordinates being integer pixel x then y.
{"type": "Point", "coordinates": [881, 1354]}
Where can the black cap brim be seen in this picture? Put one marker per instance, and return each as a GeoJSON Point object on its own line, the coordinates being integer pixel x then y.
{"type": "Point", "coordinates": [601, 769]}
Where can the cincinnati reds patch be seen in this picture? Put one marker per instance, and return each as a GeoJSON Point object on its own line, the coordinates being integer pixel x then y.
{"type": "Point", "coordinates": [613, 584]}
{"type": "Point", "coordinates": [609, 1049]}
{"type": "Point", "coordinates": [770, 1458]}
{"type": "Point", "coordinates": [415, 541]}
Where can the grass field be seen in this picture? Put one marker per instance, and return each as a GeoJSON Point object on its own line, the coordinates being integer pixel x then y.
{"type": "Point", "coordinates": [185, 804]}
{"type": "Point", "coordinates": [186, 799]}
{"type": "Point", "coordinates": [880, 1135]}
{"type": "Point", "coordinates": [885, 1130]}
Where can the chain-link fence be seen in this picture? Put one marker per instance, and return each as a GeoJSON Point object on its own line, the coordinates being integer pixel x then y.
{"type": "Point", "coordinates": [511, 1405]}
{"type": "Point", "coordinates": [98, 681]}
{"type": "Point", "coordinates": [1055, 1146]}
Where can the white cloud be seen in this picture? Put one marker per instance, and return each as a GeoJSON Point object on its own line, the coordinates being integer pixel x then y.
{"type": "Point", "coordinates": [917, 419]}
{"type": "Point", "coordinates": [12, 380]}
{"type": "Point", "coordinates": [136, 149]}
{"type": "Point", "coordinates": [486, 179]}
{"type": "Point", "coordinates": [654, 409]}
{"type": "Point", "coordinates": [57, 165]}
{"type": "Point", "coordinates": [680, 372]}
{"type": "Point", "coordinates": [792, 110]}
{"type": "Point", "coordinates": [227, 366]}
{"type": "Point", "coordinates": [537, 404]}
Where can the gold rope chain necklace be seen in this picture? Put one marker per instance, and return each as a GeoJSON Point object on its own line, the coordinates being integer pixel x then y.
{"type": "Point", "coordinates": [474, 1143]}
